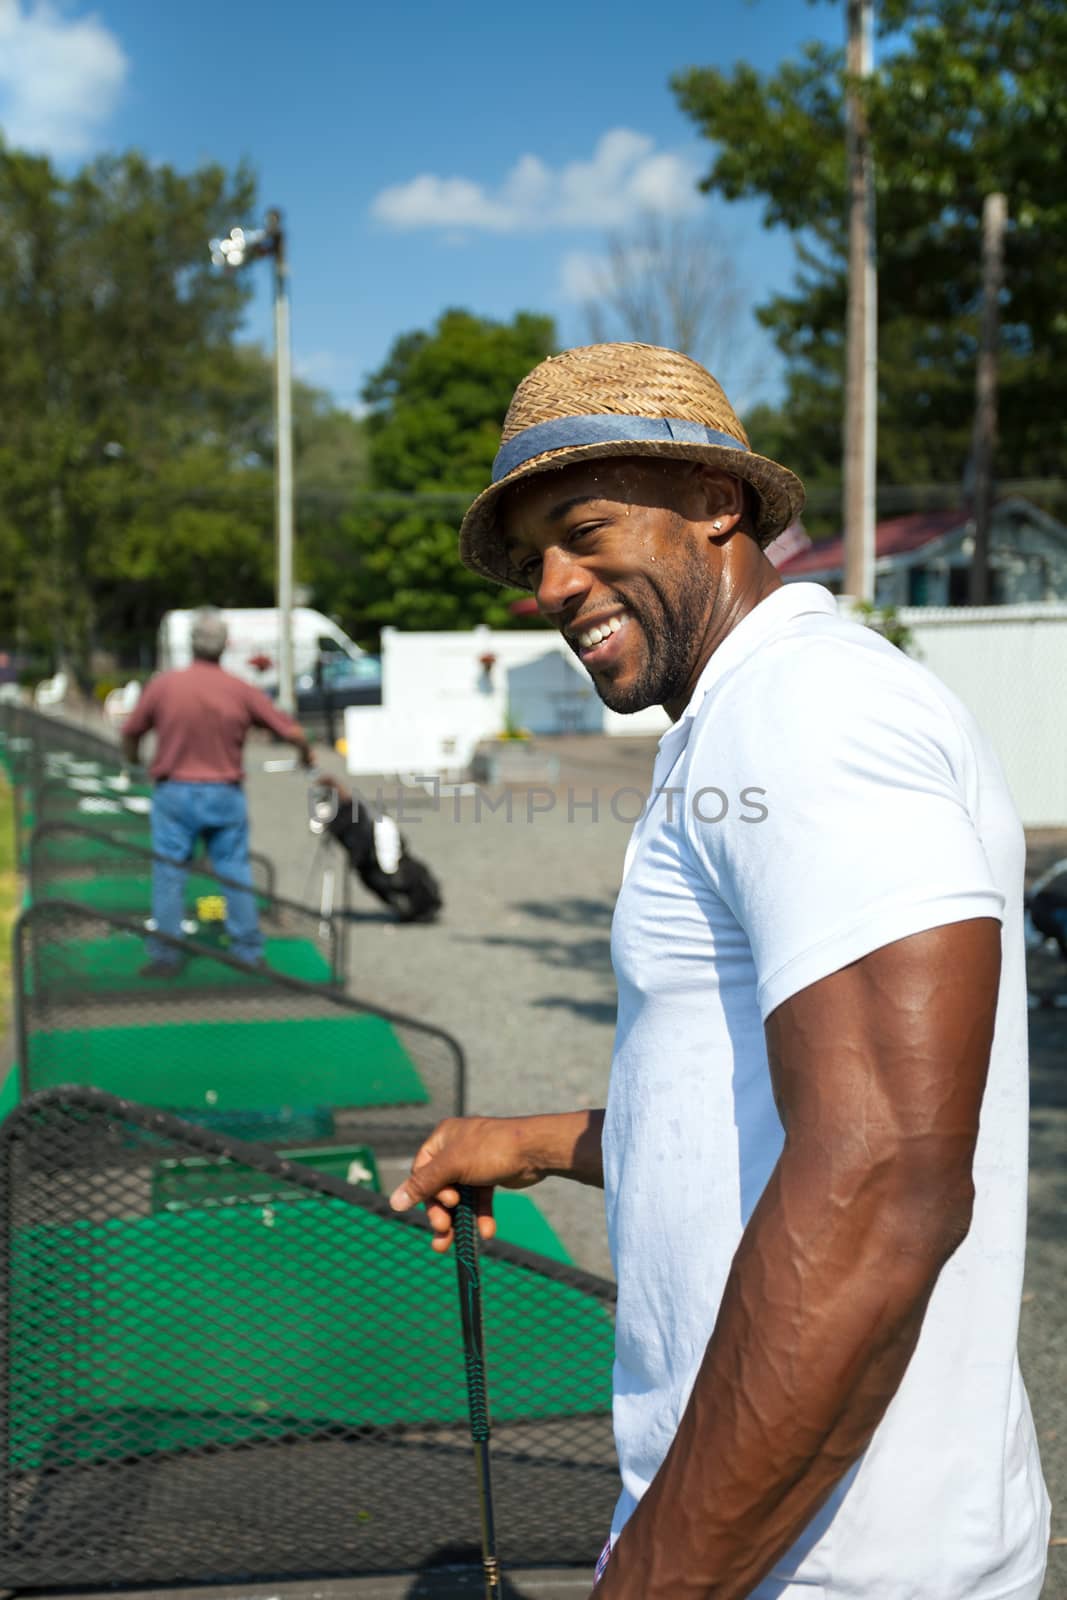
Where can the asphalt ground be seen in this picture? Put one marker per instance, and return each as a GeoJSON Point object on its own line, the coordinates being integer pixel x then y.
{"type": "Point", "coordinates": [518, 967]}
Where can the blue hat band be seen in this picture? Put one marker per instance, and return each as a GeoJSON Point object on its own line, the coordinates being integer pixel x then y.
{"type": "Point", "coordinates": [564, 433]}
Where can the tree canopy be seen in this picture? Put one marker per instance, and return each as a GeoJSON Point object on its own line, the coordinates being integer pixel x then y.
{"type": "Point", "coordinates": [966, 100]}
{"type": "Point", "coordinates": [136, 437]}
{"type": "Point", "coordinates": [435, 408]}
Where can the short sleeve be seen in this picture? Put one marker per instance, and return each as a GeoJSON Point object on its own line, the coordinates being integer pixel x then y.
{"type": "Point", "coordinates": [263, 713]}
{"type": "Point", "coordinates": [846, 828]}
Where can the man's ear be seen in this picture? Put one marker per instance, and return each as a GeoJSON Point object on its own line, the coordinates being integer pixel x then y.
{"type": "Point", "coordinates": [724, 498]}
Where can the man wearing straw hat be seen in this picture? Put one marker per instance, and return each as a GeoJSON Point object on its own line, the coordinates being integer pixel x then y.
{"type": "Point", "coordinates": [814, 1145]}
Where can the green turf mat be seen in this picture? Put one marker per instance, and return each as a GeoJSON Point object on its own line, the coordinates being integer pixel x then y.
{"type": "Point", "coordinates": [256, 1066]}
{"type": "Point", "coordinates": [177, 1185]}
{"type": "Point", "coordinates": [219, 1325]}
{"type": "Point", "coordinates": [198, 1182]}
{"type": "Point", "coordinates": [80, 849]}
{"type": "Point", "coordinates": [111, 966]}
{"type": "Point", "coordinates": [519, 1221]}
{"type": "Point", "coordinates": [9, 1092]}
{"type": "Point", "coordinates": [125, 892]}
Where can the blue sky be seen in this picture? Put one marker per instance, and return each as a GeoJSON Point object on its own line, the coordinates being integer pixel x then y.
{"type": "Point", "coordinates": [425, 155]}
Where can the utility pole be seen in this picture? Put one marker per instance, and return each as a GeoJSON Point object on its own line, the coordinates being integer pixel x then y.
{"type": "Point", "coordinates": [234, 252]}
{"type": "Point", "coordinates": [283, 477]}
{"type": "Point", "coordinates": [861, 377]}
{"type": "Point", "coordinates": [983, 447]}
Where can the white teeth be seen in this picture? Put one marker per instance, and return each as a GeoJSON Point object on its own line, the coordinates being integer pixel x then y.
{"type": "Point", "coordinates": [596, 635]}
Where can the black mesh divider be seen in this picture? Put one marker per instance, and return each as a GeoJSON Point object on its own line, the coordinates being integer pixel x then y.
{"type": "Point", "coordinates": [79, 852]}
{"type": "Point", "coordinates": [41, 750]}
{"type": "Point", "coordinates": [113, 873]}
{"type": "Point", "coordinates": [34, 736]}
{"type": "Point", "coordinates": [251, 1051]}
{"type": "Point", "coordinates": [16, 742]}
{"type": "Point", "coordinates": [94, 800]}
{"type": "Point", "coordinates": [263, 1377]}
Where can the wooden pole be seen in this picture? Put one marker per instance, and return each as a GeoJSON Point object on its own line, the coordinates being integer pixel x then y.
{"type": "Point", "coordinates": [861, 376]}
{"type": "Point", "coordinates": [983, 448]}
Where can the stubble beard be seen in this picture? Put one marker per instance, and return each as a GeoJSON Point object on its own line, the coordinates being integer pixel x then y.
{"type": "Point", "coordinates": [673, 621]}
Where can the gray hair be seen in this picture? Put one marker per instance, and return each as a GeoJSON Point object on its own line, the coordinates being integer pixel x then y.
{"type": "Point", "coordinates": [209, 634]}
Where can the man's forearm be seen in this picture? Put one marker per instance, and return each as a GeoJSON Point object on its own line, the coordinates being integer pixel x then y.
{"type": "Point", "coordinates": [567, 1144]}
{"type": "Point", "coordinates": [819, 1319]}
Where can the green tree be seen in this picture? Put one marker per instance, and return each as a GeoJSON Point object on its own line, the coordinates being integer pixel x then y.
{"type": "Point", "coordinates": [117, 346]}
{"type": "Point", "coordinates": [136, 433]}
{"type": "Point", "coordinates": [433, 427]}
{"type": "Point", "coordinates": [966, 100]}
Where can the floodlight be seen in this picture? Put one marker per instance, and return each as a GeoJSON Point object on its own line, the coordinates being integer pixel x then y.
{"type": "Point", "coordinates": [239, 247]}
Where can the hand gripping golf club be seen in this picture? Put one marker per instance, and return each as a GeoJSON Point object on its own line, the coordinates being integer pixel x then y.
{"type": "Point", "coordinates": [470, 1305]}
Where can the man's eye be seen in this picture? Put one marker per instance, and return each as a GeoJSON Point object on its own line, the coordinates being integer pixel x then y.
{"type": "Point", "coordinates": [530, 566]}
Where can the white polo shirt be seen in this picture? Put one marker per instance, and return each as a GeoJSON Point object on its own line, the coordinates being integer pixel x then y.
{"type": "Point", "coordinates": [828, 796]}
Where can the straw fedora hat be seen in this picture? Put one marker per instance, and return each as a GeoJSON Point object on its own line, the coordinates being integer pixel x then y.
{"type": "Point", "coordinates": [619, 400]}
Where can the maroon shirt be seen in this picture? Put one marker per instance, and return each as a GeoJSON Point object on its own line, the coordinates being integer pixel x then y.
{"type": "Point", "coordinates": [201, 715]}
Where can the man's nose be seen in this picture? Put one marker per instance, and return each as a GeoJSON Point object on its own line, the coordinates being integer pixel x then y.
{"type": "Point", "coordinates": [562, 581]}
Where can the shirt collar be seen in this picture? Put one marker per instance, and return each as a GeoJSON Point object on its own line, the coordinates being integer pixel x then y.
{"type": "Point", "coordinates": [766, 618]}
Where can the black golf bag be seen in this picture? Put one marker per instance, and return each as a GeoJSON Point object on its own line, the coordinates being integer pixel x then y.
{"type": "Point", "coordinates": [1047, 906]}
{"type": "Point", "coordinates": [377, 850]}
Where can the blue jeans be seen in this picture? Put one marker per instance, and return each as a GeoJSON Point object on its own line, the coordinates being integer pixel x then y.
{"type": "Point", "coordinates": [182, 813]}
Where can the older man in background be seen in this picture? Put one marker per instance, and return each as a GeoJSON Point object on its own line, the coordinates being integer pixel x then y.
{"type": "Point", "coordinates": [201, 715]}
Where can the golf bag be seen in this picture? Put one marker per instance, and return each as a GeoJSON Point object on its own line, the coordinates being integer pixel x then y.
{"type": "Point", "coordinates": [1046, 905]}
{"type": "Point", "coordinates": [378, 852]}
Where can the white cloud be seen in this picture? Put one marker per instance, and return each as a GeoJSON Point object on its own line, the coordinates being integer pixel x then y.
{"type": "Point", "coordinates": [582, 276]}
{"type": "Point", "coordinates": [625, 175]}
{"type": "Point", "coordinates": [60, 77]}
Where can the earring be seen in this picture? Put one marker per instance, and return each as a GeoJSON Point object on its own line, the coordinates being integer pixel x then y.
{"type": "Point", "coordinates": [717, 525]}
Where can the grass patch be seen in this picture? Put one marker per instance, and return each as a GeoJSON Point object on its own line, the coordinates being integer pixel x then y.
{"type": "Point", "coordinates": [8, 896]}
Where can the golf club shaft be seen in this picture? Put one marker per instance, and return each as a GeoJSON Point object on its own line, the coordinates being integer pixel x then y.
{"type": "Point", "coordinates": [470, 1302]}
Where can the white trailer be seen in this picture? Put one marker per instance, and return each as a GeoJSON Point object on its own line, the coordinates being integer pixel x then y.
{"type": "Point", "coordinates": [253, 645]}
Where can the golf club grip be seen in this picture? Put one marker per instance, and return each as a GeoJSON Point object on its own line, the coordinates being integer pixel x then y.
{"type": "Point", "coordinates": [470, 1302]}
{"type": "Point", "coordinates": [470, 1306]}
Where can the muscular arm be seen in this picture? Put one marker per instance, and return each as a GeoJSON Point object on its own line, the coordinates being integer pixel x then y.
{"type": "Point", "coordinates": [879, 1072]}
{"type": "Point", "coordinates": [505, 1152]}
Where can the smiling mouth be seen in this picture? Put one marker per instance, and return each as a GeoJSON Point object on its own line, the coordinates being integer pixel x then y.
{"type": "Point", "coordinates": [598, 645]}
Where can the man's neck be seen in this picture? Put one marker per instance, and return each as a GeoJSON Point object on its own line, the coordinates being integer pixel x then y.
{"type": "Point", "coordinates": [734, 603]}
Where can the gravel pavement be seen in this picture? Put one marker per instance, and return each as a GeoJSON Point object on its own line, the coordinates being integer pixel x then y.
{"type": "Point", "coordinates": [518, 967]}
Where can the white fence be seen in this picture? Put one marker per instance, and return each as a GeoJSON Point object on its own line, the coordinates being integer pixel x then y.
{"type": "Point", "coordinates": [445, 692]}
{"type": "Point", "coordinates": [442, 693]}
{"type": "Point", "coordinates": [1008, 664]}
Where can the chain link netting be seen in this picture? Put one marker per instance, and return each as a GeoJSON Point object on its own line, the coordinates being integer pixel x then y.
{"type": "Point", "coordinates": [83, 834]}
{"type": "Point", "coordinates": [114, 873]}
{"type": "Point", "coordinates": [220, 1365]}
{"type": "Point", "coordinates": [249, 1050]}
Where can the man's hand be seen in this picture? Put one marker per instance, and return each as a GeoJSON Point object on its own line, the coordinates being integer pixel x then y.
{"type": "Point", "coordinates": [497, 1152]}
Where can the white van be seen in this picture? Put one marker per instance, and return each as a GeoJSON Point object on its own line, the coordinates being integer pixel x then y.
{"type": "Point", "coordinates": [252, 648]}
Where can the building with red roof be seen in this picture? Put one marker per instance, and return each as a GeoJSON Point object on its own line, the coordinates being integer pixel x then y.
{"type": "Point", "coordinates": [924, 559]}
